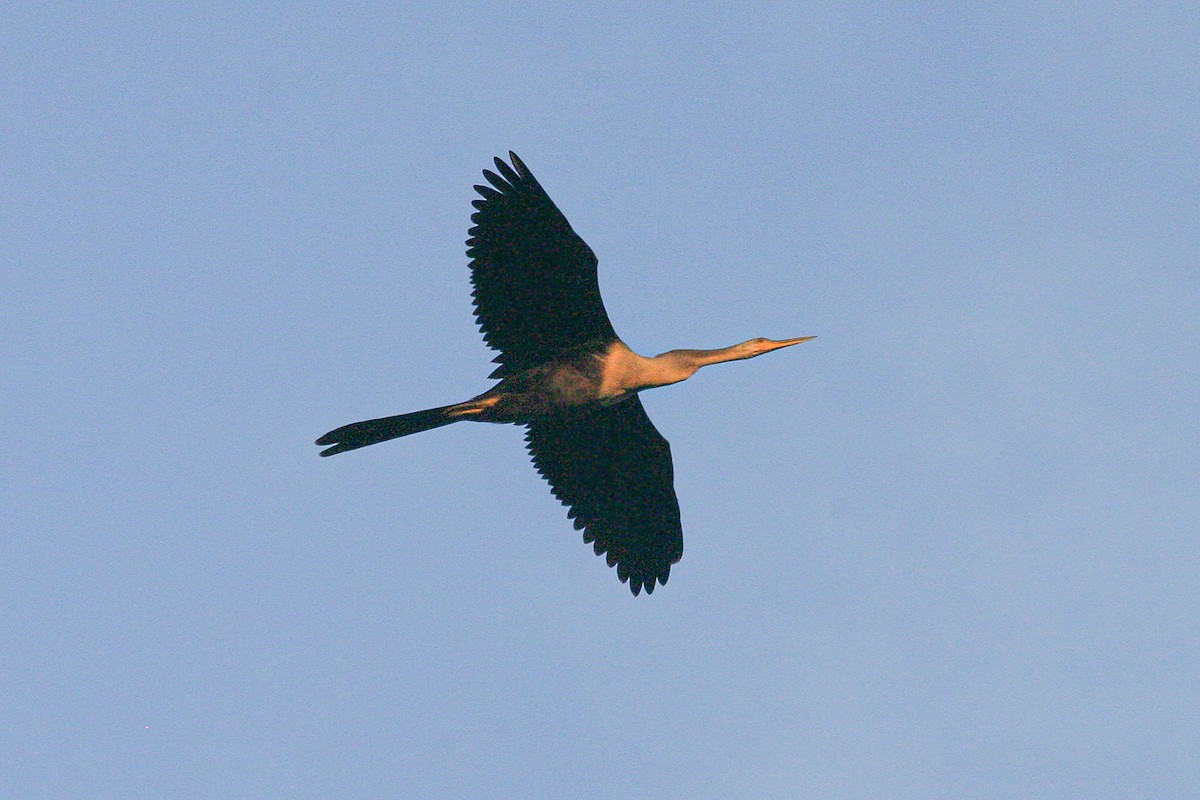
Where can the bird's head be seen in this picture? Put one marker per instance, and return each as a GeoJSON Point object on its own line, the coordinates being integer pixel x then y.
{"type": "Point", "coordinates": [756, 347]}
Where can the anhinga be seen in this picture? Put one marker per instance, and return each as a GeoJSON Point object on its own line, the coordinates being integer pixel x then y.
{"type": "Point", "coordinates": [566, 376]}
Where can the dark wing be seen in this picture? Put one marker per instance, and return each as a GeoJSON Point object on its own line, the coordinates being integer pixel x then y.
{"type": "Point", "coordinates": [613, 468]}
{"type": "Point", "coordinates": [536, 293]}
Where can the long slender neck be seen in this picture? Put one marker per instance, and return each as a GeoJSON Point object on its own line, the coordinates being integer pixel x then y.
{"type": "Point", "coordinates": [626, 371]}
{"type": "Point", "coordinates": [696, 359]}
{"type": "Point", "coordinates": [677, 365]}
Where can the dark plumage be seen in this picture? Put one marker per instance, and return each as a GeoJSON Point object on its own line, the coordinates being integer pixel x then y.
{"type": "Point", "coordinates": [536, 293]}
{"type": "Point", "coordinates": [568, 378]}
{"type": "Point", "coordinates": [613, 469]}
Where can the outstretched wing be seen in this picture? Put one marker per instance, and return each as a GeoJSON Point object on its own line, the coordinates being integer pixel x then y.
{"type": "Point", "coordinates": [613, 468]}
{"type": "Point", "coordinates": [536, 293]}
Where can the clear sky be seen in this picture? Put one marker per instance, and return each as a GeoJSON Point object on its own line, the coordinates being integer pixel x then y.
{"type": "Point", "coordinates": [949, 549]}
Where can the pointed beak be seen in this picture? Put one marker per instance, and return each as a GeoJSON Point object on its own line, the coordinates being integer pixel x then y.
{"type": "Point", "coordinates": [775, 345]}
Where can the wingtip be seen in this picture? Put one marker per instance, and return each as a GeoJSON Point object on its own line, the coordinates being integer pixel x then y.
{"type": "Point", "coordinates": [330, 439]}
{"type": "Point", "coordinates": [510, 174]}
{"type": "Point", "coordinates": [495, 180]}
{"type": "Point", "coordinates": [637, 582]}
{"type": "Point", "coordinates": [518, 164]}
{"type": "Point", "coordinates": [487, 191]}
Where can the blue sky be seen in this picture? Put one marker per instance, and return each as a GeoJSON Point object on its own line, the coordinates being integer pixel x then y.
{"type": "Point", "coordinates": [948, 549]}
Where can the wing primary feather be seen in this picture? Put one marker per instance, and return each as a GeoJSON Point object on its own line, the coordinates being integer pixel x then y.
{"type": "Point", "coordinates": [497, 181]}
{"type": "Point", "coordinates": [507, 172]}
{"type": "Point", "coordinates": [519, 165]}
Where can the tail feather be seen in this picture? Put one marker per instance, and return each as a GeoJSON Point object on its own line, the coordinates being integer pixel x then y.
{"type": "Point", "coordinates": [373, 431]}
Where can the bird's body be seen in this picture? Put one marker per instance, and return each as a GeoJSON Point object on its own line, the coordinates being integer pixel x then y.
{"type": "Point", "coordinates": [568, 378]}
{"type": "Point", "coordinates": [590, 377]}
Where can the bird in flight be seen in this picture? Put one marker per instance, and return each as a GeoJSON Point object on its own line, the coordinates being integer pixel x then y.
{"type": "Point", "coordinates": [566, 376]}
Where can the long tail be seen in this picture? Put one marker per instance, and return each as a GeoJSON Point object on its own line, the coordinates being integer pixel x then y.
{"type": "Point", "coordinates": [373, 431]}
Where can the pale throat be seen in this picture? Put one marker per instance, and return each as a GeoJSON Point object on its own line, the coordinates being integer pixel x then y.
{"type": "Point", "coordinates": [626, 371]}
